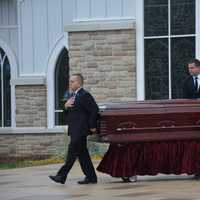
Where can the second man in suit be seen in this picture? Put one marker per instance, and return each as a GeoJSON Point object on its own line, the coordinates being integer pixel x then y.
{"type": "Point", "coordinates": [191, 86]}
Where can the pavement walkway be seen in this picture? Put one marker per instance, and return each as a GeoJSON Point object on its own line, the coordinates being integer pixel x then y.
{"type": "Point", "coordinates": [32, 183]}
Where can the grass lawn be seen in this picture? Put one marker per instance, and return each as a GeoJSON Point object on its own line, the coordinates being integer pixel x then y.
{"type": "Point", "coordinates": [30, 163]}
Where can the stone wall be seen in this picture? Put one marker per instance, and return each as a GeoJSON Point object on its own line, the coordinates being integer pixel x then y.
{"type": "Point", "coordinates": [31, 146]}
{"type": "Point", "coordinates": [35, 145]}
{"type": "Point", "coordinates": [31, 106]}
{"type": "Point", "coordinates": [107, 60]}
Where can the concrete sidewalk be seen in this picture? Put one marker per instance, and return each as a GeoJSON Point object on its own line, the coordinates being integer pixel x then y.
{"type": "Point", "coordinates": [32, 183]}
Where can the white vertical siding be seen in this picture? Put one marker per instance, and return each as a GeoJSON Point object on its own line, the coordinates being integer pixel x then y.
{"type": "Point", "coordinates": [40, 35]}
{"type": "Point", "coordinates": [42, 25]}
{"type": "Point", "coordinates": [83, 9]}
{"type": "Point", "coordinates": [68, 13]}
{"type": "Point", "coordinates": [104, 9]}
{"type": "Point", "coordinates": [114, 8]}
{"type": "Point", "coordinates": [4, 12]}
{"type": "Point", "coordinates": [54, 20]}
{"type": "Point", "coordinates": [14, 40]}
{"type": "Point", "coordinates": [129, 8]}
{"type": "Point", "coordinates": [8, 12]}
{"type": "Point", "coordinates": [12, 7]}
{"type": "Point", "coordinates": [98, 9]}
{"type": "Point", "coordinates": [8, 24]}
{"type": "Point", "coordinates": [4, 34]}
{"type": "Point", "coordinates": [27, 51]}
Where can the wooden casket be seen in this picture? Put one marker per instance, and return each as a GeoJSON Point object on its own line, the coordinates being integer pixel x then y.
{"type": "Point", "coordinates": [145, 121]}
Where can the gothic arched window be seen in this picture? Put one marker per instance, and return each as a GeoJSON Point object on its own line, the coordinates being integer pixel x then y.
{"type": "Point", "coordinates": [61, 86]}
{"type": "Point", "coordinates": [5, 90]}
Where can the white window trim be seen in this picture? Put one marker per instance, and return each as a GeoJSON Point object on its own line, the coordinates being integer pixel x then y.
{"type": "Point", "coordinates": [140, 45]}
{"type": "Point", "coordinates": [198, 29]}
{"type": "Point", "coordinates": [140, 50]}
{"type": "Point", "coordinates": [103, 19]}
{"type": "Point", "coordinates": [61, 43]}
{"type": "Point", "coordinates": [13, 72]}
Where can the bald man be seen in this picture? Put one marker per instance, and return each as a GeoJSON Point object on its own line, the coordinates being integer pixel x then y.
{"type": "Point", "coordinates": [82, 112]}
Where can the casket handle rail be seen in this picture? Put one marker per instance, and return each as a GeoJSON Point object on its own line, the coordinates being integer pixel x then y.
{"type": "Point", "coordinates": [125, 129]}
{"type": "Point", "coordinates": [126, 126]}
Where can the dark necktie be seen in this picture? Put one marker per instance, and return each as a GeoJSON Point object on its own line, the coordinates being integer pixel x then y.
{"type": "Point", "coordinates": [73, 94]}
{"type": "Point", "coordinates": [196, 83]}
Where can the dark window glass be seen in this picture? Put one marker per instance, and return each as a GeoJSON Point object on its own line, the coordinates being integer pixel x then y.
{"type": "Point", "coordinates": [183, 50]}
{"type": "Point", "coordinates": [156, 69]}
{"type": "Point", "coordinates": [155, 17]}
{"type": "Point", "coordinates": [0, 91]}
{"type": "Point", "coordinates": [182, 17]}
{"type": "Point", "coordinates": [60, 118]}
{"type": "Point", "coordinates": [7, 93]}
{"type": "Point", "coordinates": [61, 84]}
{"type": "Point", "coordinates": [5, 90]}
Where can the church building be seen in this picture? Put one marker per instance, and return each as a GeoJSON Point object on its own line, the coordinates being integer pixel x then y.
{"type": "Point", "coordinates": [127, 50]}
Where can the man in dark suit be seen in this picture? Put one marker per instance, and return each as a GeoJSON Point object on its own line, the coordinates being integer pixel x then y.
{"type": "Point", "coordinates": [82, 112]}
{"type": "Point", "coordinates": [191, 86]}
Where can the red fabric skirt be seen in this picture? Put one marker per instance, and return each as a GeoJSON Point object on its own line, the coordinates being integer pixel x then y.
{"type": "Point", "coordinates": [151, 158]}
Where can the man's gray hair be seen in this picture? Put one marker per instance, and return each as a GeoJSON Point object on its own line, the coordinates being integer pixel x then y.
{"type": "Point", "coordinates": [80, 76]}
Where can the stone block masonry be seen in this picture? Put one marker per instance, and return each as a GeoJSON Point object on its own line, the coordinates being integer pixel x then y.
{"type": "Point", "coordinates": [107, 60]}
{"type": "Point", "coordinates": [31, 106]}
{"type": "Point", "coordinates": [31, 143]}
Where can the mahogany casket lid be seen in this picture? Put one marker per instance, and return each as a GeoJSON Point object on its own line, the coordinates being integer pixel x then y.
{"type": "Point", "coordinates": [148, 119]}
{"type": "Point", "coordinates": [146, 105]}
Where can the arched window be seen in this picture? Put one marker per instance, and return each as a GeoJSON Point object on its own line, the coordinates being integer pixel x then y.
{"type": "Point", "coordinates": [5, 90]}
{"type": "Point", "coordinates": [61, 86]}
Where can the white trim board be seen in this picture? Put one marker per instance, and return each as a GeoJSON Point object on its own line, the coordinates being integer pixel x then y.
{"type": "Point", "coordinates": [98, 26]}
{"type": "Point", "coordinates": [29, 80]}
{"type": "Point", "coordinates": [61, 43]}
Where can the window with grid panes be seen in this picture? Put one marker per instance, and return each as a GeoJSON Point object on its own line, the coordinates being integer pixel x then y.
{"type": "Point", "coordinates": [169, 43]}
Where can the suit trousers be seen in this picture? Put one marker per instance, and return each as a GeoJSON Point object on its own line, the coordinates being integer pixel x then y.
{"type": "Point", "coordinates": [78, 149]}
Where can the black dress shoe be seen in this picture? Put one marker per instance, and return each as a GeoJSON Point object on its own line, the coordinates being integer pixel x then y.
{"type": "Point", "coordinates": [57, 179]}
{"type": "Point", "coordinates": [87, 181]}
{"type": "Point", "coordinates": [197, 176]}
{"type": "Point", "coordinates": [126, 179]}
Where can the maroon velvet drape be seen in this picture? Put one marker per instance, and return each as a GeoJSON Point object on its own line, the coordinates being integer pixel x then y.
{"type": "Point", "coordinates": [151, 158]}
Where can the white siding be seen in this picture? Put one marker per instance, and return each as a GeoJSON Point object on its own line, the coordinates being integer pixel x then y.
{"type": "Point", "coordinates": [4, 34]}
{"type": "Point", "coordinates": [42, 24]}
{"type": "Point", "coordinates": [129, 8]}
{"type": "Point", "coordinates": [12, 12]}
{"type": "Point", "coordinates": [67, 11]}
{"type": "Point", "coordinates": [55, 27]}
{"type": "Point", "coordinates": [114, 8]}
{"type": "Point", "coordinates": [83, 10]}
{"type": "Point", "coordinates": [26, 24]}
{"type": "Point", "coordinates": [8, 12]}
{"type": "Point", "coordinates": [4, 12]}
{"type": "Point", "coordinates": [8, 24]}
{"type": "Point", "coordinates": [104, 9]}
{"type": "Point", "coordinates": [40, 35]}
{"type": "Point", "coordinates": [14, 40]}
{"type": "Point", "coordinates": [98, 9]}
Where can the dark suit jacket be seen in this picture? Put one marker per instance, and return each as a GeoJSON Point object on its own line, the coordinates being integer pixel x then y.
{"type": "Point", "coordinates": [189, 90]}
{"type": "Point", "coordinates": [82, 116]}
